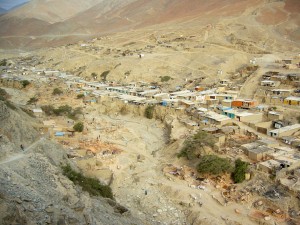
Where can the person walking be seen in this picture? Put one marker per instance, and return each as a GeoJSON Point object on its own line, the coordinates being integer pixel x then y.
{"type": "Point", "coordinates": [22, 147]}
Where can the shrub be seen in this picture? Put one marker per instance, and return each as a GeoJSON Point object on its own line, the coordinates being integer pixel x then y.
{"type": "Point", "coordinates": [91, 185]}
{"type": "Point", "coordinates": [165, 78]}
{"type": "Point", "coordinates": [149, 111]}
{"type": "Point", "coordinates": [48, 109]}
{"type": "Point", "coordinates": [3, 95]}
{"type": "Point", "coordinates": [124, 110]}
{"type": "Point", "coordinates": [212, 164]}
{"type": "Point", "coordinates": [298, 118]}
{"type": "Point", "coordinates": [80, 96]}
{"type": "Point", "coordinates": [240, 170]}
{"type": "Point", "coordinates": [73, 115]}
{"type": "Point", "coordinates": [63, 110]}
{"type": "Point", "coordinates": [78, 127]}
{"type": "Point", "coordinates": [104, 75]}
{"type": "Point", "coordinates": [25, 83]}
{"type": "Point", "coordinates": [10, 105]}
{"type": "Point", "coordinates": [94, 75]}
{"type": "Point", "coordinates": [57, 91]}
{"type": "Point", "coordinates": [32, 100]}
{"type": "Point", "coordinates": [197, 142]}
{"type": "Point", "coordinates": [3, 62]}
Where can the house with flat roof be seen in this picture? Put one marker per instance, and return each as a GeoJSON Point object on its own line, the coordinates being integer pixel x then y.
{"type": "Point", "coordinates": [244, 103]}
{"type": "Point", "coordinates": [269, 83]}
{"type": "Point", "coordinates": [269, 166]}
{"type": "Point", "coordinates": [243, 116]}
{"type": "Point", "coordinates": [272, 115]}
{"type": "Point", "coordinates": [292, 100]}
{"type": "Point", "coordinates": [259, 153]}
{"type": "Point", "coordinates": [216, 118]}
{"type": "Point", "coordinates": [281, 92]}
{"type": "Point", "coordinates": [284, 131]}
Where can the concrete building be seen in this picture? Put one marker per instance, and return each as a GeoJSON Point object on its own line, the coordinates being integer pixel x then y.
{"type": "Point", "coordinates": [244, 116]}
{"type": "Point", "coordinates": [269, 166]}
{"type": "Point", "coordinates": [284, 131]}
{"type": "Point", "coordinates": [272, 115]}
{"type": "Point", "coordinates": [292, 101]}
{"type": "Point", "coordinates": [215, 118]}
{"type": "Point", "coordinates": [270, 83]}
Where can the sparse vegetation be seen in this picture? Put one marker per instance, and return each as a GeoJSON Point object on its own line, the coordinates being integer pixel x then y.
{"type": "Point", "coordinates": [10, 105]}
{"type": "Point", "coordinates": [74, 113]}
{"type": "Point", "coordinates": [104, 75]}
{"type": "Point", "coordinates": [25, 83]}
{"type": "Point", "coordinates": [48, 109]}
{"type": "Point", "coordinates": [91, 185]}
{"type": "Point", "coordinates": [78, 127]}
{"type": "Point", "coordinates": [64, 110]}
{"type": "Point", "coordinates": [32, 100]}
{"type": "Point", "coordinates": [240, 170]}
{"type": "Point", "coordinates": [149, 111]}
{"type": "Point", "coordinates": [94, 75]}
{"type": "Point", "coordinates": [127, 73]}
{"type": "Point", "coordinates": [165, 78]}
{"type": "Point", "coordinates": [80, 96]}
{"type": "Point", "coordinates": [214, 165]}
{"type": "Point", "coordinates": [193, 146]}
{"type": "Point", "coordinates": [3, 62]}
{"type": "Point", "coordinates": [3, 95]}
{"type": "Point", "coordinates": [57, 91]}
{"type": "Point", "coordinates": [124, 110]}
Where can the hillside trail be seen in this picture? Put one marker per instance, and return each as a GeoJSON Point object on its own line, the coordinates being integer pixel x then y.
{"type": "Point", "coordinates": [21, 154]}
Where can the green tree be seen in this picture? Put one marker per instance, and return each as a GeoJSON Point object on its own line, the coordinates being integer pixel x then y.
{"type": "Point", "coordinates": [196, 143]}
{"type": "Point", "coordinates": [240, 170]}
{"type": "Point", "coordinates": [57, 91]}
{"type": "Point", "coordinates": [149, 111]}
{"type": "Point", "coordinates": [215, 165]}
{"type": "Point", "coordinates": [78, 127]}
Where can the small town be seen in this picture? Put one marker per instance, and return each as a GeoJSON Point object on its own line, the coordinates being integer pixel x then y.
{"type": "Point", "coordinates": [161, 112]}
{"type": "Point", "coordinates": [261, 131]}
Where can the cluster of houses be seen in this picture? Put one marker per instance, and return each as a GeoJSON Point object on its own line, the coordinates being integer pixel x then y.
{"type": "Point", "coordinates": [217, 107]}
{"type": "Point", "coordinates": [273, 79]}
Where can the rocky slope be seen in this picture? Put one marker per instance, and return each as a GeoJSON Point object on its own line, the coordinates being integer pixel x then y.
{"type": "Point", "coordinates": [32, 187]}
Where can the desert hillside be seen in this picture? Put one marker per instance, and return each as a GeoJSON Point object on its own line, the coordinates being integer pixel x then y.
{"type": "Point", "coordinates": [50, 23]}
{"type": "Point", "coordinates": [33, 188]}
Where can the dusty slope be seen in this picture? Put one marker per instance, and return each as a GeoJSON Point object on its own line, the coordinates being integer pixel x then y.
{"type": "Point", "coordinates": [52, 11]}
{"type": "Point", "coordinates": [56, 21]}
{"type": "Point", "coordinates": [32, 187]}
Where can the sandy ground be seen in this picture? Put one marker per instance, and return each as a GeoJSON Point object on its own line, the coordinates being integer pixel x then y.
{"type": "Point", "coordinates": [141, 184]}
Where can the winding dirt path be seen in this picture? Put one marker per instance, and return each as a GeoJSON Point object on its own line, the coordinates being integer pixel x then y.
{"type": "Point", "coordinates": [22, 154]}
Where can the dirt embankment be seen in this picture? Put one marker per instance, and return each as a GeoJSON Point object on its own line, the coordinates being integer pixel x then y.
{"type": "Point", "coordinates": [32, 187]}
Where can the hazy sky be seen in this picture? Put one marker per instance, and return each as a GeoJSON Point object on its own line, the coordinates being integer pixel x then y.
{"type": "Point", "coordinates": [8, 4]}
